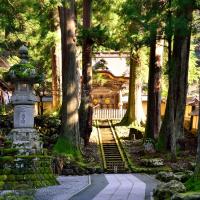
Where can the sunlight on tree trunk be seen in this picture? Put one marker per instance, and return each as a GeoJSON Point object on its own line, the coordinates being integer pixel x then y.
{"type": "Point", "coordinates": [69, 138]}
{"type": "Point", "coordinates": [56, 63]}
{"type": "Point", "coordinates": [134, 115]}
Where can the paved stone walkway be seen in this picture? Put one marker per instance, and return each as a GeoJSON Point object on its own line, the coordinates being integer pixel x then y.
{"type": "Point", "coordinates": [122, 186]}
{"type": "Point", "coordinates": [118, 187]}
{"type": "Point", "coordinates": [100, 187]}
{"type": "Point", "coordinates": [69, 186]}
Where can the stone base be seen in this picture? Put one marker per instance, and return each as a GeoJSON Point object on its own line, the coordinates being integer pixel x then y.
{"type": "Point", "coordinates": [26, 140]}
{"type": "Point", "coordinates": [26, 172]}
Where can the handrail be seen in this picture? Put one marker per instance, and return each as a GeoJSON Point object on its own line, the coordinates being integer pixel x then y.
{"type": "Point", "coordinates": [118, 145]}
{"type": "Point", "coordinates": [101, 146]}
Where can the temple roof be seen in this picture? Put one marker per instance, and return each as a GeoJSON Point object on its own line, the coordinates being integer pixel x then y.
{"type": "Point", "coordinates": [114, 62]}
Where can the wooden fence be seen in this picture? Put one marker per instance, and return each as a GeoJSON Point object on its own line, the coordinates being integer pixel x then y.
{"type": "Point", "coordinates": [108, 113]}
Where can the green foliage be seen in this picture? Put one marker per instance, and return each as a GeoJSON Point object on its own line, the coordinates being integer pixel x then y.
{"type": "Point", "coordinates": [192, 184]}
{"type": "Point", "coordinates": [30, 23]}
{"type": "Point", "coordinates": [65, 147]}
{"type": "Point", "coordinates": [97, 35]}
{"type": "Point", "coordinates": [13, 196]}
{"type": "Point", "coordinates": [48, 127]}
{"type": "Point", "coordinates": [8, 151]}
{"type": "Point", "coordinates": [23, 72]}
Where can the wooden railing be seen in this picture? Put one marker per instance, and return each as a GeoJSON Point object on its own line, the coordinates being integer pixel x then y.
{"type": "Point", "coordinates": [108, 114]}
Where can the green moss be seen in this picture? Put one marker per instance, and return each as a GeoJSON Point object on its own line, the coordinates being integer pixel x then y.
{"type": "Point", "coordinates": [8, 151]}
{"type": "Point", "coordinates": [161, 144]}
{"type": "Point", "coordinates": [13, 196]}
{"type": "Point", "coordinates": [19, 177]}
{"type": "Point", "coordinates": [10, 177]}
{"type": "Point", "coordinates": [5, 171]}
{"type": "Point", "coordinates": [3, 177]}
{"type": "Point", "coordinates": [23, 71]}
{"type": "Point", "coordinates": [65, 147]}
{"type": "Point", "coordinates": [1, 185]}
{"type": "Point", "coordinates": [6, 159]}
{"type": "Point", "coordinates": [192, 184]}
{"type": "Point", "coordinates": [31, 157]}
{"type": "Point", "coordinates": [7, 144]}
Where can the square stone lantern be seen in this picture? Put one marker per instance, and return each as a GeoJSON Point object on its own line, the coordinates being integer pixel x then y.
{"type": "Point", "coordinates": [23, 75]}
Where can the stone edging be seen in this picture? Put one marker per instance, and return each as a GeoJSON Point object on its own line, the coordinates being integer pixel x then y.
{"type": "Point", "coordinates": [85, 187]}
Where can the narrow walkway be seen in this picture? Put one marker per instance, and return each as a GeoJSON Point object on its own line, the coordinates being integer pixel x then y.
{"type": "Point", "coordinates": [69, 186]}
{"type": "Point", "coordinates": [118, 187]}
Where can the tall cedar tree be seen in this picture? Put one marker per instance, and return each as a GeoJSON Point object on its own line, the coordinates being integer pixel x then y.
{"type": "Point", "coordinates": [155, 63]}
{"type": "Point", "coordinates": [154, 100]}
{"type": "Point", "coordinates": [134, 115]}
{"type": "Point", "coordinates": [85, 111]}
{"type": "Point", "coordinates": [69, 138]}
{"type": "Point", "coordinates": [178, 79]}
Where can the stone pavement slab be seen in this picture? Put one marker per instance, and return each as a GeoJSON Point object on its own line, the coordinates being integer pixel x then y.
{"type": "Point", "coordinates": [118, 187]}
{"type": "Point", "coordinates": [69, 186]}
{"type": "Point", "coordinates": [122, 187]}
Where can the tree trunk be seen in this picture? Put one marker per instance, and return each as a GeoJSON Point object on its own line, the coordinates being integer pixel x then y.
{"type": "Point", "coordinates": [69, 140]}
{"type": "Point", "coordinates": [197, 168]}
{"type": "Point", "coordinates": [181, 92]}
{"type": "Point", "coordinates": [154, 89]}
{"type": "Point", "coordinates": [178, 75]}
{"type": "Point", "coordinates": [134, 115]}
{"type": "Point", "coordinates": [56, 64]}
{"type": "Point", "coordinates": [85, 111]}
{"type": "Point", "coordinates": [55, 80]}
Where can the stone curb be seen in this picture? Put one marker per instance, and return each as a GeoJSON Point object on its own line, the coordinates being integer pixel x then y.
{"type": "Point", "coordinates": [84, 188]}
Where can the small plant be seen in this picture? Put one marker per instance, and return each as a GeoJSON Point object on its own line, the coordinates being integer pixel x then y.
{"type": "Point", "coordinates": [23, 71]}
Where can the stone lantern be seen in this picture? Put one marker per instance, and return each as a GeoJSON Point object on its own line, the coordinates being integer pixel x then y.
{"type": "Point", "coordinates": [23, 76]}
{"type": "Point", "coordinates": [28, 166]}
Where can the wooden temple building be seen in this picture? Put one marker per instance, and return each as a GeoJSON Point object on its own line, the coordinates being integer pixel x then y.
{"type": "Point", "coordinates": [109, 94]}
{"type": "Point", "coordinates": [111, 81]}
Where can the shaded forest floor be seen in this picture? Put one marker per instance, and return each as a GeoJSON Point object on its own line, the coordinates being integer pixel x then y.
{"type": "Point", "coordinates": [142, 161]}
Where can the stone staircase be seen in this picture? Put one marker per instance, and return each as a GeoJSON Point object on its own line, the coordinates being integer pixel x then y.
{"type": "Point", "coordinates": [112, 156]}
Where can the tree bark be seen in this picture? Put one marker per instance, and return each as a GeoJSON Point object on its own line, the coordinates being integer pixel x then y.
{"type": "Point", "coordinates": [154, 91]}
{"type": "Point", "coordinates": [197, 168]}
{"type": "Point", "coordinates": [69, 109]}
{"type": "Point", "coordinates": [85, 111]}
{"type": "Point", "coordinates": [134, 115]}
{"type": "Point", "coordinates": [55, 80]}
{"type": "Point", "coordinates": [172, 126]}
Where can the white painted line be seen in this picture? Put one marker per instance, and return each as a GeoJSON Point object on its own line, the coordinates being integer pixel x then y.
{"type": "Point", "coordinates": [138, 190]}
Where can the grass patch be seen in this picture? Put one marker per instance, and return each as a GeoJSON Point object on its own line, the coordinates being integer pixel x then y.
{"type": "Point", "coordinates": [193, 185]}
{"type": "Point", "coordinates": [65, 147]}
